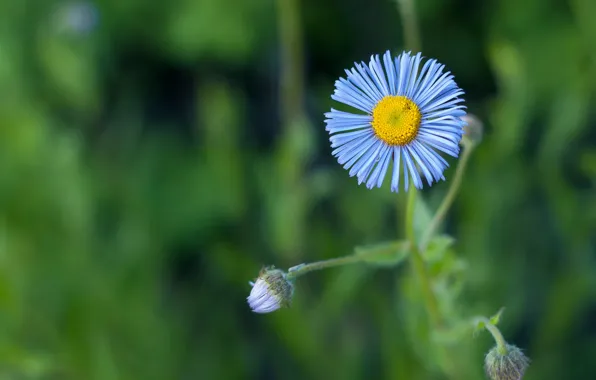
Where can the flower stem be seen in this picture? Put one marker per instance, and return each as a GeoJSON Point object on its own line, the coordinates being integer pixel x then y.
{"type": "Point", "coordinates": [496, 333]}
{"type": "Point", "coordinates": [292, 56]}
{"type": "Point", "coordinates": [302, 269]}
{"type": "Point", "coordinates": [410, 24]}
{"type": "Point", "coordinates": [449, 198]}
{"type": "Point", "coordinates": [419, 265]}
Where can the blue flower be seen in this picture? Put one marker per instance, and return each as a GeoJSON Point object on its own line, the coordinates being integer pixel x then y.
{"type": "Point", "coordinates": [408, 117]}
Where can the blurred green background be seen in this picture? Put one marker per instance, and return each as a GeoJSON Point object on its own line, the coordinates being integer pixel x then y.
{"type": "Point", "coordinates": [154, 155]}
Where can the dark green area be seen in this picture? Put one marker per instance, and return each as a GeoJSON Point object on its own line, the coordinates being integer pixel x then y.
{"type": "Point", "coordinates": [151, 165]}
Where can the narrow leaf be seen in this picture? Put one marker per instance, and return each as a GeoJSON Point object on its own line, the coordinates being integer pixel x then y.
{"type": "Point", "coordinates": [494, 320]}
{"type": "Point", "coordinates": [437, 247]}
{"type": "Point", "coordinates": [386, 254]}
{"type": "Point", "coordinates": [479, 325]}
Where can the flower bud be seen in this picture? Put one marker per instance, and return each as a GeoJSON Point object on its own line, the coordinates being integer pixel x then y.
{"type": "Point", "coordinates": [509, 364]}
{"type": "Point", "coordinates": [77, 17]}
{"type": "Point", "coordinates": [473, 130]}
{"type": "Point", "coordinates": [271, 291]}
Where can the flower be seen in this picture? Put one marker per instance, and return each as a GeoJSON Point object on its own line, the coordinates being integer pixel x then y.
{"type": "Point", "coordinates": [409, 115]}
{"type": "Point", "coordinates": [473, 130]}
{"type": "Point", "coordinates": [271, 291]}
{"type": "Point", "coordinates": [506, 363]}
{"type": "Point", "coordinates": [77, 17]}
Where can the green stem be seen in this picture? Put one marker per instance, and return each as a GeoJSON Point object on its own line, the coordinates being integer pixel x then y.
{"type": "Point", "coordinates": [291, 80]}
{"type": "Point", "coordinates": [449, 198]}
{"type": "Point", "coordinates": [410, 24]}
{"type": "Point", "coordinates": [302, 269]}
{"type": "Point", "coordinates": [496, 333]}
{"type": "Point", "coordinates": [410, 212]}
{"type": "Point", "coordinates": [418, 264]}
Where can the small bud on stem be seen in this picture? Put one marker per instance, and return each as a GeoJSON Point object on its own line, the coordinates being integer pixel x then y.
{"type": "Point", "coordinates": [473, 130]}
{"type": "Point", "coordinates": [271, 291]}
{"type": "Point", "coordinates": [505, 363]}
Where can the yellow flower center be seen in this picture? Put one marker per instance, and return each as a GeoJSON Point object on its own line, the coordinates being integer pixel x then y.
{"type": "Point", "coordinates": [396, 120]}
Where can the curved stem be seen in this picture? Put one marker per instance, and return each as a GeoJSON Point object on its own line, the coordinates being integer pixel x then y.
{"type": "Point", "coordinates": [418, 264]}
{"type": "Point", "coordinates": [496, 333]}
{"type": "Point", "coordinates": [449, 198]}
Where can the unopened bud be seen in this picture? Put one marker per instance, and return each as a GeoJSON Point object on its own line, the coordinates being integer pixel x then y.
{"type": "Point", "coordinates": [271, 291]}
{"type": "Point", "coordinates": [473, 130]}
{"type": "Point", "coordinates": [505, 363]}
{"type": "Point", "coordinates": [78, 17]}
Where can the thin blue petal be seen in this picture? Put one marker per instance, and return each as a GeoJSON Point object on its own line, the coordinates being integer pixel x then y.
{"type": "Point", "coordinates": [346, 115]}
{"type": "Point", "coordinates": [390, 69]}
{"type": "Point", "coordinates": [440, 144]}
{"type": "Point", "coordinates": [441, 100]}
{"type": "Point", "coordinates": [378, 174]}
{"type": "Point", "coordinates": [406, 174]}
{"type": "Point", "coordinates": [362, 159]}
{"type": "Point", "coordinates": [434, 88]}
{"type": "Point", "coordinates": [421, 164]}
{"type": "Point", "coordinates": [358, 152]}
{"type": "Point", "coordinates": [420, 77]}
{"type": "Point", "coordinates": [397, 65]}
{"type": "Point", "coordinates": [377, 70]}
{"type": "Point", "coordinates": [457, 111]}
{"type": "Point", "coordinates": [447, 105]}
{"type": "Point", "coordinates": [436, 162]}
{"type": "Point", "coordinates": [346, 88]}
{"type": "Point", "coordinates": [348, 149]}
{"type": "Point", "coordinates": [396, 165]}
{"type": "Point", "coordinates": [366, 80]}
{"type": "Point", "coordinates": [344, 138]}
{"type": "Point", "coordinates": [345, 127]}
{"type": "Point", "coordinates": [404, 74]}
{"type": "Point", "coordinates": [363, 172]}
{"type": "Point", "coordinates": [371, 76]}
{"type": "Point", "coordinates": [413, 75]}
{"type": "Point", "coordinates": [413, 171]}
{"type": "Point", "coordinates": [433, 73]}
{"type": "Point", "coordinates": [350, 102]}
{"type": "Point", "coordinates": [357, 80]}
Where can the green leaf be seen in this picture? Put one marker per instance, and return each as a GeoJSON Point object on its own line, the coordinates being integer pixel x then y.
{"type": "Point", "coordinates": [386, 254]}
{"type": "Point", "coordinates": [480, 322]}
{"type": "Point", "coordinates": [437, 247]}
{"type": "Point", "coordinates": [479, 325]}
{"type": "Point", "coordinates": [494, 320]}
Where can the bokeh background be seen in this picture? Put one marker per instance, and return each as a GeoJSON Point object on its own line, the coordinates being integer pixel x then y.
{"type": "Point", "coordinates": [154, 155]}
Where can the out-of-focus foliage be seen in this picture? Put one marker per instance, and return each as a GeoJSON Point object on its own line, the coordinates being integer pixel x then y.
{"type": "Point", "coordinates": [146, 174]}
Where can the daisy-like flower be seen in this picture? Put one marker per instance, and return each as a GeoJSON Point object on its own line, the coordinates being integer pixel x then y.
{"type": "Point", "coordinates": [408, 116]}
{"type": "Point", "coordinates": [271, 291]}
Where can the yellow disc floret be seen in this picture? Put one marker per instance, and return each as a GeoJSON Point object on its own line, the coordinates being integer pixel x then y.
{"type": "Point", "coordinates": [396, 120]}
